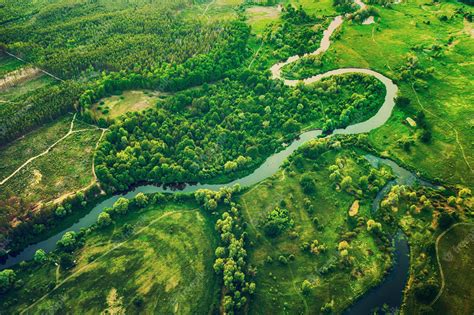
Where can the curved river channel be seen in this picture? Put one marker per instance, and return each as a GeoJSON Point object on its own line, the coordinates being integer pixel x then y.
{"type": "Point", "coordinates": [390, 291]}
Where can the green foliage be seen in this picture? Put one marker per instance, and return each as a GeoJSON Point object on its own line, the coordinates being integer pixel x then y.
{"type": "Point", "coordinates": [68, 241]}
{"type": "Point", "coordinates": [277, 221]}
{"type": "Point", "coordinates": [7, 279]}
{"type": "Point", "coordinates": [104, 219]}
{"type": "Point", "coordinates": [40, 256]}
{"type": "Point", "coordinates": [307, 183]}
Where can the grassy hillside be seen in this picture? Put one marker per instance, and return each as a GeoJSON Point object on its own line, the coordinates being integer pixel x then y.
{"type": "Point", "coordinates": [157, 260]}
{"type": "Point", "coordinates": [283, 262]}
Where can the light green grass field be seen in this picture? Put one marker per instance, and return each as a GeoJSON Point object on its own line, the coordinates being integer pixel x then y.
{"type": "Point", "coordinates": [213, 10]}
{"type": "Point", "coordinates": [33, 143]}
{"type": "Point", "coordinates": [8, 64]}
{"type": "Point", "coordinates": [457, 260]}
{"type": "Point", "coordinates": [129, 101]}
{"type": "Point", "coordinates": [25, 87]}
{"type": "Point", "coordinates": [66, 168]}
{"type": "Point", "coordinates": [167, 260]}
{"type": "Point", "coordinates": [279, 285]}
{"type": "Point", "coordinates": [316, 7]}
{"type": "Point", "coordinates": [259, 18]}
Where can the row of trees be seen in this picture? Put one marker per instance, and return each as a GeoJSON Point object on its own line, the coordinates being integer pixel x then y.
{"type": "Point", "coordinates": [231, 256]}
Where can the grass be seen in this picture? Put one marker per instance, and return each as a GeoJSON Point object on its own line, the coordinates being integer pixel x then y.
{"type": "Point", "coordinates": [447, 101]}
{"type": "Point", "coordinates": [167, 260]}
{"type": "Point", "coordinates": [315, 7]}
{"type": "Point", "coordinates": [279, 285]}
{"type": "Point", "coordinates": [259, 18]}
{"type": "Point", "coordinates": [16, 91]}
{"type": "Point", "coordinates": [26, 87]}
{"type": "Point", "coordinates": [8, 64]}
{"type": "Point", "coordinates": [64, 169]}
{"type": "Point", "coordinates": [457, 261]}
{"type": "Point", "coordinates": [213, 10]}
{"type": "Point", "coordinates": [35, 142]}
{"type": "Point", "coordinates": [128, 101]}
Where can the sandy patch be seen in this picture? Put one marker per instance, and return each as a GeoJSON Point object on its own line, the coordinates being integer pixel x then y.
{"type": "Point", "coordinates": [18, 76]}
{"type": "Point", "coordinates": [369, 20]}
{"type": "Point", "coordinates": [263, 12]}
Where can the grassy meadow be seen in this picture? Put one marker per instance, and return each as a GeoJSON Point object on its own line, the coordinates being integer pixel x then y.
{"type": "Point", "coordinates": [66, 168]}
{"type": "Point", "coordinates": [279, 287]}
{"type": "Point", "coordinates": [165, 260]}
{"type": "Point", "coordinates": [129, 101]}
{"type": "Point", "coordinates": [457, 259]}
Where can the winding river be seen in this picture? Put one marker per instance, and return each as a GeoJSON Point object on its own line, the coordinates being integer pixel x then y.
{"type": "Point", "coordinates": [390, 290]}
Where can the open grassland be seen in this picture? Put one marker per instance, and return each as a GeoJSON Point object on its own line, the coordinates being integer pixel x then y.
{"type": "Point", "coordinates": [259, 18]}
{"type": "Point", "coordinates": [165, 261]}
{"type": "Point", "coordinates": [17, 152]}
{"type": "Point", "coordinates": [457, 261]}
{"type": "Point", "coordinates": [315, 7]}
{"type": "Point", "coordinates": [280, 284]}
{"type": "Point", "coordinates": [16, 91]}
{"type": "Point", "coordinates": [437, 38]}
{"type": "Point", "coordinates": [214, 10]}
{"type": "Point", "coordinates": [8, 64]}
{"type": "Point", "coordinates": [128, 101]}
{"type": "Point", "coordinates": [65, 168]}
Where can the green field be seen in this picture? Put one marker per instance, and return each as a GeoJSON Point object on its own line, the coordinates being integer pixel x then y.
{"type": "Point", "coordinates": [23, 88]}
{"type": "Point", "coordinates": [259, 18]}
{"type": "Point", "coordinates": [457, 258]}
{"type": "Point", "coordinates": [8, 64]}
{"type": "Point", "coordinates": [128, 101]}
{"type": "Point", "coordinates": [280, 285]}
{"type": "Point", "coordinates": [187, 93]}
{"type": "Point", "coordinates": [64, 169]}
{"type": "Point", "coordinates": [166, 260]}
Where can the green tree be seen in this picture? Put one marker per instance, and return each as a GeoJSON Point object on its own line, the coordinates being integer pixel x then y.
{"type": "Point", "coordinates": [104, 219]}
{"type": "Point", "coordinates": [307, 183]}
{"type": "Point", "coordinates": [40, 256]}
{"type": "Point", "coordinates": [141, 200]}
{"type": "Point", "coordinates": [7, 279]}
{"type": "Point", "coordinates": [68, 241]}
{"type": "Point", "coordinates": [121, 205]}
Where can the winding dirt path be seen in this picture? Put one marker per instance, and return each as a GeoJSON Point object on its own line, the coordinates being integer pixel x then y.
{"type": "Point", "coordinates": [438, 239]}
{"type": "Point", "coordinates": [75, 273]}
{"type": "Point", "coordinates": [69, 133]}
{"type": "Point", "coordinates": [451, 126]}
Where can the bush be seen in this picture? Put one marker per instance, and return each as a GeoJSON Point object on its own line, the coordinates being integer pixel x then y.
{"type": "Point", "coordinates": [307, 183]}
{"type": "Point", "coordinates": [7, 279]}
{"type": "Point", "coordinates": [40, 256]}
{"type": "Point", "coordinates": [277, 221]}
{"type": "Point", "coordinates": [66, 261]}
{"type": "Point", "coordinates": [68, 242]}
{"type": "Point", "coordinates": [104, 219]}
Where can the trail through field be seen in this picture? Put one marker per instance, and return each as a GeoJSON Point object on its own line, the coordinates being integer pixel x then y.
{"type": "Point", "coordinates": [69, 133]}
{"type": "Point", "coordinates": [438, 239]}
{"type": "Point", "coordinates": [451, 126]}
{"type": "Point", "coordinates": [76, 272]}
